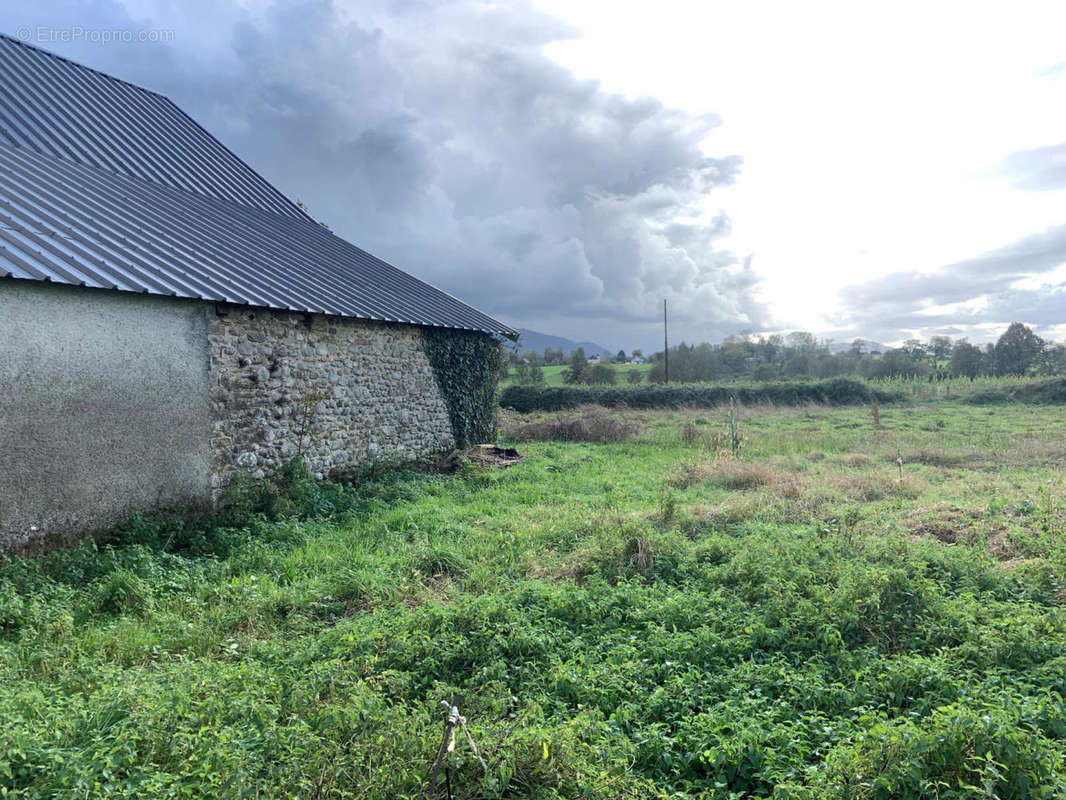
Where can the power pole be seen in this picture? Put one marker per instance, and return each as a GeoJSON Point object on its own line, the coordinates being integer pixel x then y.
{"type": "Point", "coordinates": [666, 348]}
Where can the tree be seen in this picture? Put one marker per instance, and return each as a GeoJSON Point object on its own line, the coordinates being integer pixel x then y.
{"type": "Point", "coordinates": [1017, 349]}
{"type": "Point", "coordinates": [764, 372]}
{"type": "Point", "coordinates": [898, 363]}
{"type": "Point", "coordinates": [940, 348]}
{"type": "Point", "coordinates": [965, 360]}
{"type": "Point", "coordinates": [532, 357]}
{"type": "Point", "coordinates": [802, 341]}
{"type": "Point", "coordinates": [858, 348]}
{"type": "Point", "coordinates": [637, 352]}
{"type": "Point", "coordinates": [914, 348]}
{"type": "Point", "coordinates": [602, 374]}
{"type": "Point", "coordinates": [529, 375]}
{"type": "Point", "coordinates": [1052, 361]}
{"type": "Point", "coordinates": [575, 373]}
{"type": "Point", "coordinates": [634, 376]}
{"type": "Point", "coordinates": [798, 365]}
{"type": "Point", "coordinates": [620, 357]}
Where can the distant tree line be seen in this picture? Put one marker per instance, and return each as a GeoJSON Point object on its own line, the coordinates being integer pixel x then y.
{"type": "Point", "coordinates": [525, 367]}
{"type": "Point", "coordinates": [800, 354]}
{"type": "Point", "coordinates": [1018, 351]}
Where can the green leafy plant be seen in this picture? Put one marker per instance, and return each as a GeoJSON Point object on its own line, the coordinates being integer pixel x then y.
{"type": "Point", "coordinates": [466, 365]}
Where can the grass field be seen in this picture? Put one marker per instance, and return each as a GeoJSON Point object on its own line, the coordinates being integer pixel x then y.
{"type": "Point", "coordinates": [644, 618]}
{"type": "Point", "coordinates": [553, 376]}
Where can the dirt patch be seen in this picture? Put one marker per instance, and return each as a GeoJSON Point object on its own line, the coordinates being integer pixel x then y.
{"type": "Point", "coordinates": [489, 455]}
{"type": "Point", "coordinates": [482, 455]}
{"type": "Point", "coordinates": [942, 458]}
{"type": "Point", "coordinates": [947, 524]}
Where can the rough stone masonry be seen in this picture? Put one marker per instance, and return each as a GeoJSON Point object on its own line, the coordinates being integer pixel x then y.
{"type": "Point", "coordinates": [114, 403]}
{"type": "Point", "coordinates": [337, 391]}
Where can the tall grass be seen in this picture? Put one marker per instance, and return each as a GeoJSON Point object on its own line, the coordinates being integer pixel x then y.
{"type": "Point", "coordinates": [646, 618]}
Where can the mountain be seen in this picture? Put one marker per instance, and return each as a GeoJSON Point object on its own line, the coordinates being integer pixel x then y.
{"type": "Point", "coordinates": [536, 341]}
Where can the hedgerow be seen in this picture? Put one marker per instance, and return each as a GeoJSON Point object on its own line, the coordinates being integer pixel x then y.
{"type": "Point", "coordinates": [1051, 391]}
{"type": "Point", "coordinates": [838, 391]}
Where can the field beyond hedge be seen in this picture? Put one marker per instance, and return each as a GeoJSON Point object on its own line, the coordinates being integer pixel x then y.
{"type": "Point", "coordinates": [645, 618]}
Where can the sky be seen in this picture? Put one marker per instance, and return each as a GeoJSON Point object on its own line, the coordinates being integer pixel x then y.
{"type": "Point", "coordinates": [851, 169]}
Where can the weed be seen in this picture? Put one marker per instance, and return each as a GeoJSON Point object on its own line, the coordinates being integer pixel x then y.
{"type": "Point", "coordinates": [725, 473]}
{"type": "Point", "coordinates": [591, 424]}
{"type": "Point", "coordinates": [121, 592]}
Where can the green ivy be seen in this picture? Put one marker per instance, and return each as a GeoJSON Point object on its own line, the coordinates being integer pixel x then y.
{"type": "Point", "coordinates": [467, 367]}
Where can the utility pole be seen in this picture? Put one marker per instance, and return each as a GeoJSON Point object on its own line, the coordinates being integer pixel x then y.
{"type": "Point", "coordinates": [666, 348]}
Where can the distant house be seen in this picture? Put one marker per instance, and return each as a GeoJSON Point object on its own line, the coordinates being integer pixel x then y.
{"type": "Point", "coordinates": [171, 318]}
{"type": "Point", "coordinates": [637, 360]}
{"type": "Point", "coordinates": [594, 358]}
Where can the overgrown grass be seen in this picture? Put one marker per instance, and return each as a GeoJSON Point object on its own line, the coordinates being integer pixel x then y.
{"type": "Point", "coordinates": [644, 618]}
{"type": "Point", "coordinates": [587, 424]}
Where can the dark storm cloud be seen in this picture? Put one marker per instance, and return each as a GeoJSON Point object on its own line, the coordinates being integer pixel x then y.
{"type": "Point", "coordinates": [440, 137]}
{"type": "Point", "coordinates": [907, 301]}
{"type": "Point", "coordinates": [1039, 169]}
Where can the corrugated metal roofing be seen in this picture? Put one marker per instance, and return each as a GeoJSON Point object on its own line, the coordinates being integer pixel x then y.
{"type": "Point", "coordinates": [106, 185]}
{"type": "Point", "coordinates": [73, 224]}
{"type": "Point", "coordinates": [63, 109]}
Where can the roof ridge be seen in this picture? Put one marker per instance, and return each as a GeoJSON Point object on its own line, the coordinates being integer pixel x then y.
{"type": "Point", "coordinates": [108, 75]}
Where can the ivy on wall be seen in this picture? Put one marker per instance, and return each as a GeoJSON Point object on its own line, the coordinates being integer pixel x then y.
{"type": "Point", "coordinates": [467, 367]}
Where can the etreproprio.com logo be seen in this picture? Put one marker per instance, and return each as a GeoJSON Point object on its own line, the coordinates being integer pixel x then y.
{"type": "Point", "coordinates": [39, 34]}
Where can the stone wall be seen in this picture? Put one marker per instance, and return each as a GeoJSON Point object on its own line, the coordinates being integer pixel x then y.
{"type": "Point", "coordinates": [114, 403]}
{"type": "Point", "coordinates": [338, 391]}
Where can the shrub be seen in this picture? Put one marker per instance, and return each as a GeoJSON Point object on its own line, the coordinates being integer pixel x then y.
{"type": "Point", "coordinates": [1048, 392]}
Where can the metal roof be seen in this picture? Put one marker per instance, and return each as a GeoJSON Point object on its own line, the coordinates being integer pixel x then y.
{"type": "Point", "coordinates": [63, 109]}
{"type": "Point", "coordinates": [106, 185]}
{"type": "Point", "coordinates": [73, 224]}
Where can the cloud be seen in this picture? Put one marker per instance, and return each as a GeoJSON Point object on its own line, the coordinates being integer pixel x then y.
{"type": "Point", "coordinates": [1039, 169]}
{"type": "Point", "coordinates": [1015, 282]}
{"type": "Point", "coordinates": [1052, 71]}
{"type": "Point", "coordinates": [440, 137]}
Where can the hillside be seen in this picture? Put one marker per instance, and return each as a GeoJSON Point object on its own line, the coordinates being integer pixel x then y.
{"type": "Point", "coordinates": [536, 341]}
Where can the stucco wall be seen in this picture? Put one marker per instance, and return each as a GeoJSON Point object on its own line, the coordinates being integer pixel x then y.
{"type": "Point", "coordinates": [103, 409]}
{"type": "Point", "coordinates": [114, 402]}
{"type": "Point", "coordinates": [340, 392]}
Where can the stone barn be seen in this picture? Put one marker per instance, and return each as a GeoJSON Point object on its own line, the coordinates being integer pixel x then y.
{"type": "Point", "coordinates": [169, 317]}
